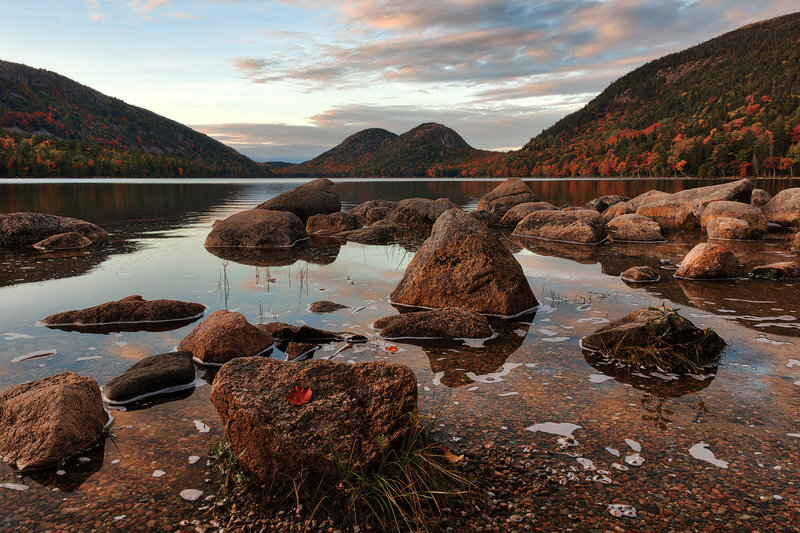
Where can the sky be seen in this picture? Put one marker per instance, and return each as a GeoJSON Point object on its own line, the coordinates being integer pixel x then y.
{"type": "Point", "coordinates": [287, 80]}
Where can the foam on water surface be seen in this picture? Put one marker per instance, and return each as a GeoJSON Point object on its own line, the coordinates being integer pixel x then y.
{"type": "Point", "coordinates": [700, 451]}
{"type": "Point", "coordinates": [34, 355]}
{"type": "Point", "coordinates": [493, 377]}
{"type": "Point", "coordinates": [201, 427]}
{"type": "Point", "coordinates": [191, 494]}
{"type": "Point", "coordinates": [565, 429]}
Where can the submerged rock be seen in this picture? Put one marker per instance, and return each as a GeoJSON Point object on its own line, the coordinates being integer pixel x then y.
{"type": "Point", "coordinates": [133, 309]}
{"type": "Point", "coordinates": [25, 229]}
{"type": "Point", "coordinates": [320, 196]}
{"type": "Point", "coordinates": [784, 208]}
{"type": "Point", "coordinates": [47, 421]}
{"type": "Point", "coordinates": [752, 215]}
{"type": "Point", "coordinates": [779, 270]}
{"type": "Point", "coordinates": [166, 372]}
{"type": "Point", "coordinates": [257, 228]}
{"type": "Point", "coordinates": [300, 350]}
{"type": "Point", "coordinates": [333, 223]}
{"type": "Point", "coordinates": [416, 212]}
{"type": "Point", "coordinates": [289, 333]}
{"type": "Point", "coordinates": [223, 336]}
{"type": "Point", "coordinates": [582, 226]}
{"type": "Point", "coordinates": [63, 241]}
{"type": "Point", "coordinates": [708, 261]}
{"type": "Point", "coordinates": [462, 264]}
{"type": "Point", "coordinates": [354, 412]}
{"type": "Point", "coordinates": [520, 211]}
{"type": "Point", "coordinates": [445, 323]}
{"type": "Point", "coordinates": [640, 274]}
{"type": "Point", "coordinates": [634, 228]}
{"type": "Point", "coordinates": [730, 229]}
{"type": "Point", "coordinates": [656, 338]}
{"type": "Point", "coordinates": [324, 306]}
{"type": "Point", "coordinates": [511, 192]}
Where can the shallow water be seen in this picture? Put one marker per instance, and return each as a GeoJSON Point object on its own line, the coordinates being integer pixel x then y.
{"type": "Point", "coordinates": [746, 415]}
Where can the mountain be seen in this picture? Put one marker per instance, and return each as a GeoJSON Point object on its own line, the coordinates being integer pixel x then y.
{"type": "Point", "coordinates": [428, 150]}
{"type": "Point", "coordinates": [53, 126]}
{"type": "Point", "coordinates": [727, 107]}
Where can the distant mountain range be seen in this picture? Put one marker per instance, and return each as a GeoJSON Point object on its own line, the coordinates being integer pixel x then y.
{"type": "Point", "coordinates": [727, 107]}
{"type": "Point", "coordinates": [53, 126]}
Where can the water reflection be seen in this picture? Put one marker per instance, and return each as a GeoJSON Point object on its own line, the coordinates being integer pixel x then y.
{"type": "Point", "coordinates": [75, 471]}
{"type": "Point", "coordinates": [316, 250]}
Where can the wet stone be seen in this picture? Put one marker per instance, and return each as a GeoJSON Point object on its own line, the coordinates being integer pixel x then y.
{"type": "Point", "coordinates": [166, 372]}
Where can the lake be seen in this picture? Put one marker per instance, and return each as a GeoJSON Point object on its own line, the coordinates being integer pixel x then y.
{"type": "Point", "coordinates": [534, 372]}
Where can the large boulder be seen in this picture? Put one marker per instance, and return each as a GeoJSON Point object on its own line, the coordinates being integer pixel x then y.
{"type": "Point", "coordinates": [729, 229]}
{"type": "Point", "coordinates": [462, 264]}
{"type": "Point", "coordinates": [257, 228]}
{"type": "Point", "coordinates": [708, 261]}
{"type": "Point", "coordinates": [735, 191]}
{"type": "Point", "coordinates": [333, 223]}
{"type": "Point", "coordinates": [520, 211]}
{"type": "Point", "coordinates": [644, 198]}
{"type": "Point", "coordinates": [511, 192]}
{"type": "Point", "coordinates": [656, 338]}
{"type": "Point", "coordinates": [25, 229]}
{"type": "Point", "coordinates": [671, 213]}
{"type": "Point", "coordinates": [784, 208]}
{"type": "Point", "coordinates": [618, 209]}
{"type": "Point", "coordinates": [355, 412]}
{"type": "Point", "coordinates": [604, 202]}
{"type": "Point", "coordinates": [582, 226]}
{"type": "Point", "coordinates": [223, 336]}
{"type": "Point", "coordinates": [157, 374]}
{"type": "Point", "coordinates": [131, 310]}
{"type": "Point", "coordinates": [71, 240]}
{"type": "Point", "coordinates": [320, 196]}
{"type": "Point", "coordinates": [752, 215]}
{"type": "Point", "coordinates": [46, 421]}
{"type": "Point", "coordinates": [416, 212]}
{"type": "Point", "coordinates": [446, 323]}
{"type": "Point", "coordinates": [634, 228]}
{"type": "Point", "coordinates": [362, 209]}
{"type": "Point", "coordinates": [779, 270]}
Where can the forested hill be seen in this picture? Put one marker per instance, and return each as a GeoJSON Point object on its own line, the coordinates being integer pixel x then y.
{"type": "Point", "coordinates": [430, 149]}
{"type": "Point", "coordinates": [727, 107]}
{"type": "Point", "coordinates": [51, 126]}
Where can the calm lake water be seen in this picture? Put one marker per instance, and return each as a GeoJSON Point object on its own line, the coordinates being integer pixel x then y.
{"type": "Point", "coordinates": [748, 412]}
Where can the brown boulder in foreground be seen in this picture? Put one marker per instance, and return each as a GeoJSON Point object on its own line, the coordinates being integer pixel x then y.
{"type": "Point", "coordinates": [729, 229]}
{"type": "Point", "coordinates": [511, 192]}
{"type": "Point", "coordinates": [49, 420]}
{"type": "Point", "coordinates": [63, 241]}
{"type": "Point", "coordinates": [257, 228]}
{"type": "Point", "coordinates": [133, 309]}
{"type": "Point", "coordinates": [462, 264]}
{"type": "Point", "coordinates": [25, 229]}
{"type": "Point", "coordinates": [223, 336]}
{"type": "Point", "coordinates": [445, 323]}
{"type": "Point", "coordinates": [320, 196]}
{"type": "Point", "coordinates": [355, 411]}
{"type": "Point", "coordinates": [656, 338]}
{"type": "Point", "coordinates": [708, 261]}
{"type": "Point", "coordinates": [784, 208]}
{"type": "Point", "coordinates": [580, 226]}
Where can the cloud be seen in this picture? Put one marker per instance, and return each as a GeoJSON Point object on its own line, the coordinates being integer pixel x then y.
{"type": "Point", "coordinates": [184, 16]}
{"type": "Point", "coordinates": [97, 17]}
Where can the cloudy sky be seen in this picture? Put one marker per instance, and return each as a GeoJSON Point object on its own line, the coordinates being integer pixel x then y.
{"type": "Point", "coordinates": [286, 80]}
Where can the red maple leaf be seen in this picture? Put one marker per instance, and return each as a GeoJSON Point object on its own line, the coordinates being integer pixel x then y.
{"type": "Point", "coordinates": [299, 395]}
{"type": "Point", "coordinates": [391, 349]}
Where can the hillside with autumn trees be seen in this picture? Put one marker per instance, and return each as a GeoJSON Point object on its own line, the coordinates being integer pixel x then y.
{"type": "Point", "coordinates": [51, 126]}
{"type": "Point", "coordinates": [727, 107]}
{"type": "Point", "coordinates": [430, 149]}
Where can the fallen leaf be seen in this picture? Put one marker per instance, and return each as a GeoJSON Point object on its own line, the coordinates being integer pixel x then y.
{"type": "Point", "coordinates": [450, 456]}
{"type": "Point", "coordinates": [271, 280]}
{"type": "Point", "coordinates": [392, 349]}
{"type": "Point", "coordinates": [299, 395]}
